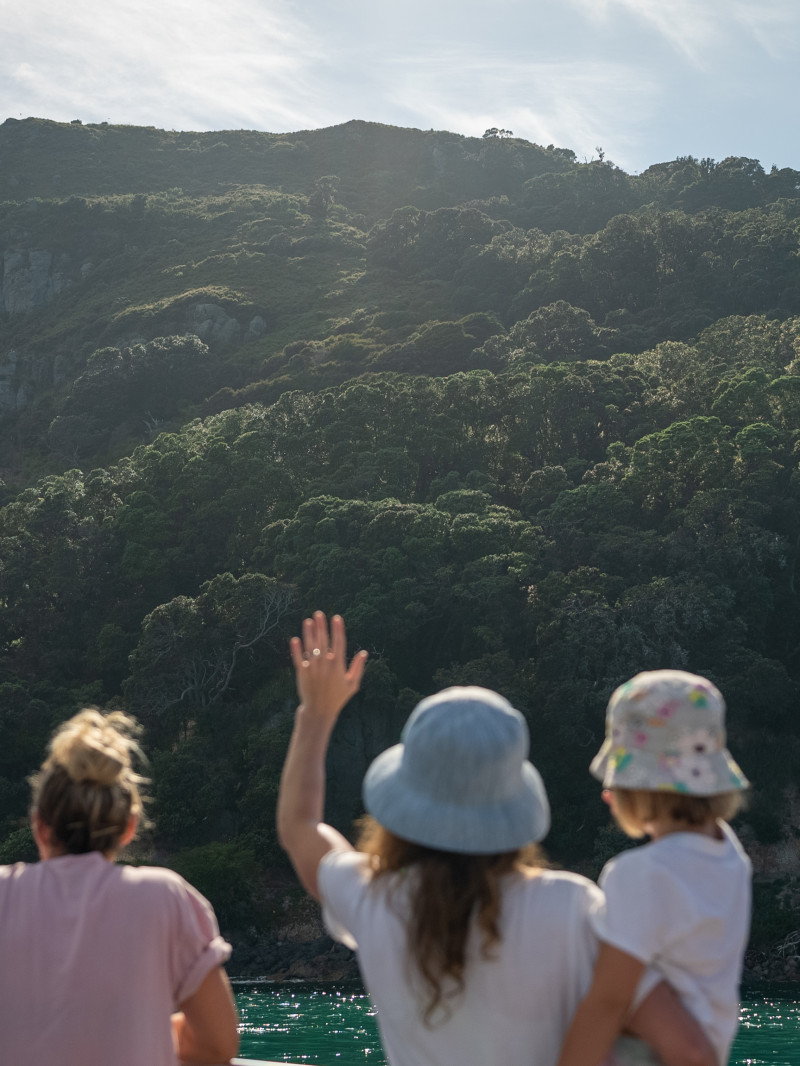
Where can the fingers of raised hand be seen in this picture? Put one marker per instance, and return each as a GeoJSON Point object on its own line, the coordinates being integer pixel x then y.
{"type": "Point", "coordinates": [296, 651]}
{"type": "Point", "coordinates": [315, 640]}
{"type": "Point", "coordinates": [338, 637]}
{"type": "Point", "coordinates": [356, 671]}
{"type": "Point", "coordinates": [321, 653]}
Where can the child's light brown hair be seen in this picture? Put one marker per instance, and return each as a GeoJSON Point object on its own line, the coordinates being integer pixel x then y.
{"type": "Point", "coordinates": [635, 807]}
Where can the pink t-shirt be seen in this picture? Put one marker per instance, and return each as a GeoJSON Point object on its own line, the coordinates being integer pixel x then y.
{"type": "Point", "coordinates": [94, 957]}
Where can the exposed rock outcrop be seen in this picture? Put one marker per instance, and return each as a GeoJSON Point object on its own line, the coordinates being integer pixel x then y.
{"type": "Point", "coordinates": [30, 279]}
{"type": "Point", "coordinates": [214, 326]}
{"type": "Point", "coordinates": [285, 960]}
{"type": "Point", "coordinates": [781, 963]}
{"type": "Point", "coordinates": [219, 330]}
{"type": "Point", "coordinates": [21, 377]}
{"type": "Point", "coordinates": [9, 387]}
{"type": "Point", "coordinates": [295, 948]}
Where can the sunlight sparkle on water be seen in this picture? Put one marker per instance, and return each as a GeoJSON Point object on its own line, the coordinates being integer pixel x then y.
{"type": "Point", "coordinates": [312, 1025]}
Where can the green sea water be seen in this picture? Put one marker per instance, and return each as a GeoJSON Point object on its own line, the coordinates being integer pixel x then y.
{"type": "Point", "coordinates": [338, 1027]}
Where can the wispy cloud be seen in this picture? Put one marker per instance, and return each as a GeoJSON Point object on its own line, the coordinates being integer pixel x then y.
{"type": "Point", "coordinates": [774, 26]}
{"type": "Point", "coordinates": [253, 62]}
{"type": "Point", "coordinates": [702, 30]}
{"type": "Point", "coordinates": [576, 104]}
{"type": "Point", "coordinates": [688, 26]}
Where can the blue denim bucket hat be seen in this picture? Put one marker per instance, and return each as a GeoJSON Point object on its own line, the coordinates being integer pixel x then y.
{"type": "Point", "coordinates": [460, 779]}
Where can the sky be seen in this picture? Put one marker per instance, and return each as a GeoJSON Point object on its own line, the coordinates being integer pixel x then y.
{"type": "Point", "coordinates": [644, 80]}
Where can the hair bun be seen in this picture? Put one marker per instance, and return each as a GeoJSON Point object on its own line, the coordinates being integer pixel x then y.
{"type": "Point", "coordinates": [93, 747]}
{"type": "Point", "coordinates": [87, 790]}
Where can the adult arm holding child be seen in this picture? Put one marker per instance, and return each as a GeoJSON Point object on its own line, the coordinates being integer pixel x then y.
{"type": "Point", "coordinates": [661, 1021]}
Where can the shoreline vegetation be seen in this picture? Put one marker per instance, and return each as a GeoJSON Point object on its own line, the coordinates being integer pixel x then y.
{"type": "Point", "coordinates": [526, 422]}
{"type": "Point", "coordinates": [299, 950]}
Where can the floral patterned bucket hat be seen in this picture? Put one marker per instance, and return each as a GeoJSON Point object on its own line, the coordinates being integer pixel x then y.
{"type": "Point", "coordinates": [665, 729]}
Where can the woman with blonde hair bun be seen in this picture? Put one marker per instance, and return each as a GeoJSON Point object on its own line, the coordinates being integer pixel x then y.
{"type": "Point", "coordinates": [104, 962]}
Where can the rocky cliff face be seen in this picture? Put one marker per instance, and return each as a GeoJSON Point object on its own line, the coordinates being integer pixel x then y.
{"type": "Point", "coordinates": [30, 279]}
{"type": "Point", "coordinates": [21, 377]}
{"type": "Point", "coordinates": [219, 330]}
{"type": "Point", "coordinates": [10, 400]}
{"type": "Point", "coordinates": [293, 951]}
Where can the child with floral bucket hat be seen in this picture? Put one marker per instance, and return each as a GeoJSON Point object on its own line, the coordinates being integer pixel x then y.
{"type": "Point", "coordinates": [677, 910]}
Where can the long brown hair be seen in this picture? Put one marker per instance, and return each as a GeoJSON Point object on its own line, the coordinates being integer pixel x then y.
{"type": "Point", "coordinates": [449, 890]}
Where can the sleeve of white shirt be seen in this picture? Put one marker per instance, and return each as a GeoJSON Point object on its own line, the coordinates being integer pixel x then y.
{"type": "Point", "coordinates": [637, 915]}
{"type": "Point", "coordinates": [342, 879]}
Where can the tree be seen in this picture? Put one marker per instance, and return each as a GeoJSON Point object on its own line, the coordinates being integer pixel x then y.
{"type": "Point", "coordinates": [558, 332]}
{"type": "Point", "coordinates": [323, 197]}
{"type": "Point", "coordinates": [132, 389]}
{"type": "Point", "coordinates": [669, 467]}
{"type": "Point", "coordinates": [191, 646]}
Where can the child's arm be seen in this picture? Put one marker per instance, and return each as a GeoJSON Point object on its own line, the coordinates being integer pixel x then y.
{"type": "Point", "coordinates": [662, 1021]}
{"type": "Point", "coordinates": [601, 1016]}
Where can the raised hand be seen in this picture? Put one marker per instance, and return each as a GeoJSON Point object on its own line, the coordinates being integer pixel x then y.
{"type": "Point", "coordinates": [324, 684]}
{"type": "Point", "coordinates": [324, 681]}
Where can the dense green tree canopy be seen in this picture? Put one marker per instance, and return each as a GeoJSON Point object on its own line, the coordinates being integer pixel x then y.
{"type": "Point", "coordinates": [525, 422]}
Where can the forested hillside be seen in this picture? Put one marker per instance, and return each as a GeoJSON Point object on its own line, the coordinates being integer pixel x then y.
{"type": "Point", "coordinates": [526, 422]}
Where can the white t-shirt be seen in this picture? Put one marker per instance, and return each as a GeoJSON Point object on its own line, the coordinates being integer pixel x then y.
{"type": "Point", "coordinates": [681, 905]}
{"type": "Point", "coordinates": [515, 1008]}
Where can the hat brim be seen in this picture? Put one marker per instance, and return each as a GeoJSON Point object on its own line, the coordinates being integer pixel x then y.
{"type": "Point", "coordinates": [479, 828]}
{"type": "Point", "coordinates": [717, 772]}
